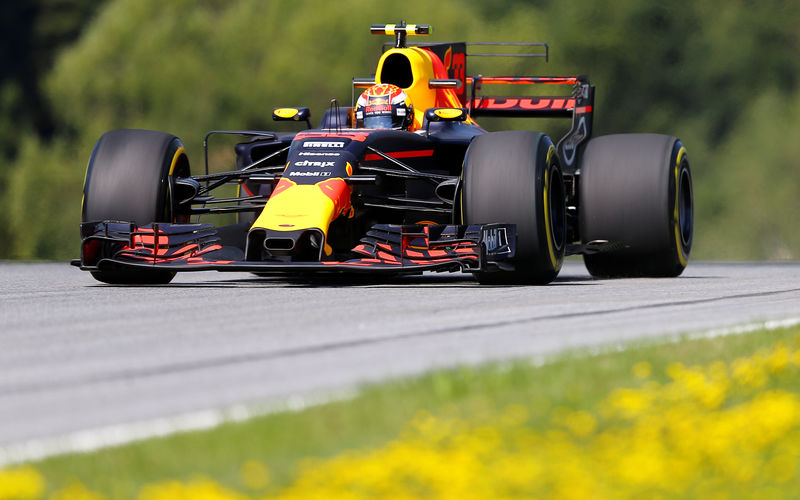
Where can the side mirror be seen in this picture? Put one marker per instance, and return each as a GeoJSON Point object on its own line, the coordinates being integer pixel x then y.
{"type": "Point", "coordinates": [292, 114]}
{"type": "Point", "coordinates": [446, 114]}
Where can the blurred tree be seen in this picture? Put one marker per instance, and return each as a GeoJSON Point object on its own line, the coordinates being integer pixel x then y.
{"type": "Point", "coordinates": [17, 62]}
{"type": "Point", "coordinates": [659, 63]}
{"type": "Point", "coordinates": [705, 71]}
{"type": "Point", "coordinates": [33, 32]}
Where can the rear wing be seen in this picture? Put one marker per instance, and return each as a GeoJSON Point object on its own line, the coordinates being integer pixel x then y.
{"type": "Point", "coordinates": [454, 57]}
{"type": "Point", "coordinates": [577, 103]}
{"type": "Point", "coordinates": [537, 107]}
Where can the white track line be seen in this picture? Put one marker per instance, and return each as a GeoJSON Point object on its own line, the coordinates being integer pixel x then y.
{"type": "Point", "coordinates": [115, 435]}
{"type": "Point", "coordinates": [105, 437]}
{"type": "Point", "coordinates": [746, 328]}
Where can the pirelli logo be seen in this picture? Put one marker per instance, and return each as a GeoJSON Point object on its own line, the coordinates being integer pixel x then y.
{"type": "Point", "coordinates": [324, 144]}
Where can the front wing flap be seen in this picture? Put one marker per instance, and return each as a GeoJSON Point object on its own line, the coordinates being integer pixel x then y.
{"type": "Point", "coordinates": [386, 248]}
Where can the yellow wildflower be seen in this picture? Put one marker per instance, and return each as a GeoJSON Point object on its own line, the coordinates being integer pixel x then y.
{"type": "Point", "coordinates": [641, 370]}
{"type": "Point", "coordinates": [195, 489]}
{"type": "Point", "coordinates": [254, 475]}
{"type": "Point", "coordinates": [76, 491]}
{"type": "Point", "coordinates": [580, 423]}
{"type": "Point", "coordinates": [21, 483]}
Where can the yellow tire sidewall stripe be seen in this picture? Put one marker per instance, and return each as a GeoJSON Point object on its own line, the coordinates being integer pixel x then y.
{"type": "Point", "coordinates": [178, 153]}
{"type": "Point", "coordinates": [682, 257]}
{"type": "Point", "coordinates": [555, 261]}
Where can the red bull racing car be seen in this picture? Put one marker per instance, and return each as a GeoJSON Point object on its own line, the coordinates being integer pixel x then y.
{"type": "Point", "coordinates": [402, 182]}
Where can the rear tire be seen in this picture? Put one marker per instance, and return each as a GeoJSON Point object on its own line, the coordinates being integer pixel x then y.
{"type": "Point", "coordinates": [636, 190]}
{"type": "Point", "coordinates": [513, 177]}
{"type": "Point", "coordinates": [128, 179]}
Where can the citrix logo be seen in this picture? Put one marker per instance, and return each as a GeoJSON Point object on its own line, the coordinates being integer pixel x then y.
{"type": "Point", "coordinates": [309, 163]}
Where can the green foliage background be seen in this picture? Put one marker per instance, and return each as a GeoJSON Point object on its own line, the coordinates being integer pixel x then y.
{"type": "Point", "coordinates": [722, 75]}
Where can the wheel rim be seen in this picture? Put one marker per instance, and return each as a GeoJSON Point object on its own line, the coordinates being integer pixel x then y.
{"type": "Point", "coordinates": [685, 208]}
{"type": "Point", "coordinates": [557, 210]}
{"type": "Point", "coordinates": [179, 167]}
{"type": "Point", "coordinates": [554, 216]}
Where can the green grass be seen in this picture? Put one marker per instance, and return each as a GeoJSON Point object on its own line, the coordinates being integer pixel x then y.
{"type": "Point", "coordinates": [576, 380]}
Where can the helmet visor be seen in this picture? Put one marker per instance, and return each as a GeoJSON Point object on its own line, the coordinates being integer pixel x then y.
{"type": "Point", "coordinates": [380, 122]}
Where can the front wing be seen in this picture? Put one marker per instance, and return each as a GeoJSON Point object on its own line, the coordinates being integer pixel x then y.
{"type": "Point", "coordinates": [386, 248]}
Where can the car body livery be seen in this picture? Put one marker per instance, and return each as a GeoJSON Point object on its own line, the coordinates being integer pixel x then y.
{"type": "Point", "coordinates": [439, 194]}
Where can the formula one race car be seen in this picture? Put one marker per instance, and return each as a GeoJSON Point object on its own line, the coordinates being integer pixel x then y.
{"type": "Point", "coordinates": [405, 181]}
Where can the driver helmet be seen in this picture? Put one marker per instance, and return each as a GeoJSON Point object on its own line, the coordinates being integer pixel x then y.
{"type": "Point", "coordinates": [384, 106]}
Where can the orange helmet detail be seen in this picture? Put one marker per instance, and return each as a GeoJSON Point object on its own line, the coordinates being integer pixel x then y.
{"type": "Point", "coordinates": [384, 106]}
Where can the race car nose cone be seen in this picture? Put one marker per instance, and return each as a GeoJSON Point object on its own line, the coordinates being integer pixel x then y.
{"type": "Point", "coordinates": [302, 245]}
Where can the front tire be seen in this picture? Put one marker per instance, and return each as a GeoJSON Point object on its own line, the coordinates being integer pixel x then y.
{"type": "Point", "coordinates": [636, 191]}
{"type": "Point", "coordinates": [128, 179]}
{"type": "Point", "coordinates": [514, 177]}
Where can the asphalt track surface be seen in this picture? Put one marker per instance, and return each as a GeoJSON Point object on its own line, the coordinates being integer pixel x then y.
{"type": "Point", "coordinates": [76, 354]}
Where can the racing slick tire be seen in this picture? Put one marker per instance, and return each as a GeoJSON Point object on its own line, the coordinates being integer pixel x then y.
{"type": "Point", "coordinates": [128, 179]}
{"type": "Point", "coordinates": [635, 191]}
{"type": "Point", "coordinates": [514, 177]}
